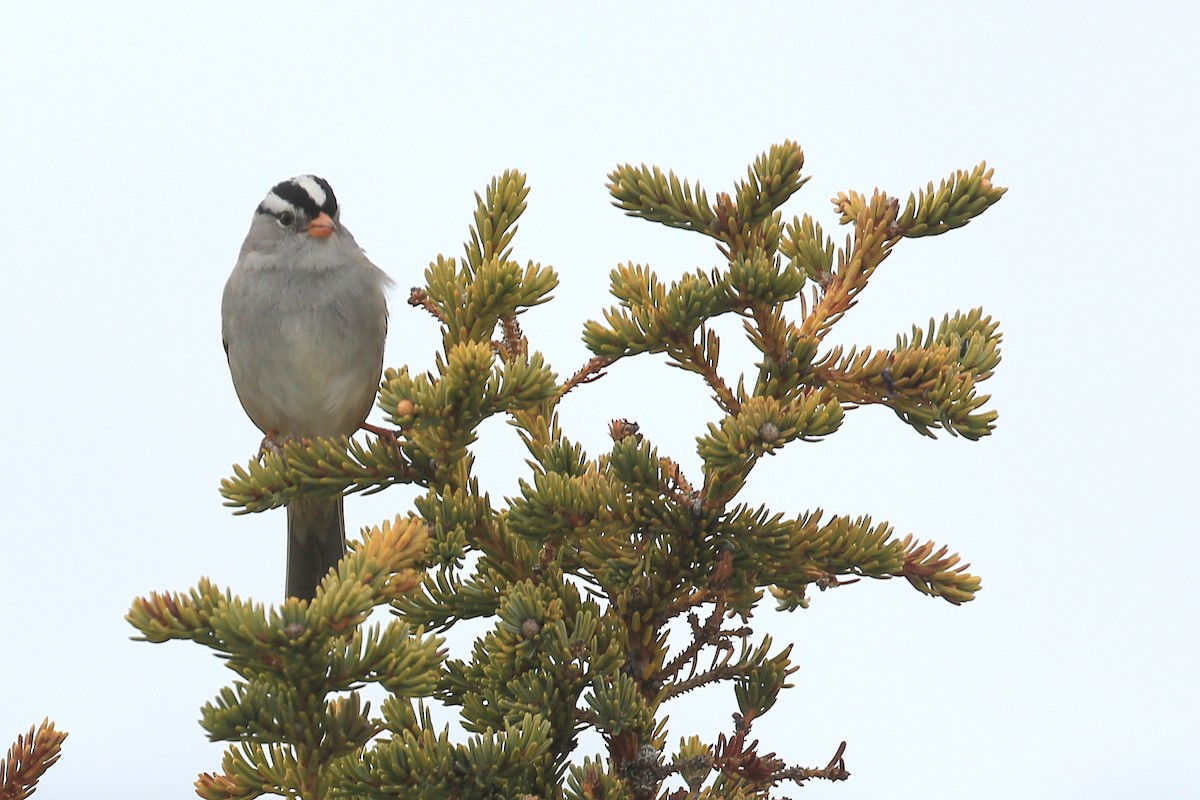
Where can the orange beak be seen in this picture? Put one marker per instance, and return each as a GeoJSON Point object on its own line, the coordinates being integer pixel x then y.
{"type": "Point", "coordinates": [321, 227]}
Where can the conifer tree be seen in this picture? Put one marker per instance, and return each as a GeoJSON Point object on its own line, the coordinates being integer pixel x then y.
{"type": "Point", "coordinates": [582, 573]}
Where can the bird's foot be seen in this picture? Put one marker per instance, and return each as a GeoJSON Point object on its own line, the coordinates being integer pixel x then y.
{"type": "Point", "coordinates": [274, 443]}
{"type": "Point", "coordinates": [386, 434]}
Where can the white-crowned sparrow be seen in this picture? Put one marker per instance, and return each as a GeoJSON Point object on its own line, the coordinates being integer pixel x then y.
{"type": "Point", "coordinates": [304, 317]}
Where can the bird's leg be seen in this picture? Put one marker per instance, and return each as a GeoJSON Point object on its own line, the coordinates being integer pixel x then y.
{"type": "Point", "coordinates": [385, 434]}
{"type": "Point", "coordinates": [273, 443]}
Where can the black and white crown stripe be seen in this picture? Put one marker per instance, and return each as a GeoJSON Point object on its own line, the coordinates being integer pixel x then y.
{"type": "Point", "coordinates": [304, 195]}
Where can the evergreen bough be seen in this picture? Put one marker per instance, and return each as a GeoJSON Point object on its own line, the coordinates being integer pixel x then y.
{"type": "Point", "coordinates": [583, 572]}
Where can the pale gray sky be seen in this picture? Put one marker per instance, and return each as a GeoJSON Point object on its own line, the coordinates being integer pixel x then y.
{"type": "Point", "coordinates": [137, 139]}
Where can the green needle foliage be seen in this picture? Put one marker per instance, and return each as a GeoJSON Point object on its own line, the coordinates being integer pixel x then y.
{"type": "Point", "coordinates": [612, 583]}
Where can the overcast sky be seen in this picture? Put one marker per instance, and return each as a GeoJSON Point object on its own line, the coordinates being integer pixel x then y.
{"type": "Point", "coordinates": [137, 140]}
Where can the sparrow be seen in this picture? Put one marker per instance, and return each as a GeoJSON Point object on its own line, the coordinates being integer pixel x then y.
{"type": "Point", "coordinates": [304, 319]}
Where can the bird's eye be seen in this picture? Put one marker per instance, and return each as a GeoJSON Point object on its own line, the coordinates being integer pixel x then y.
{"type": "Point", "coordinates": [286, 218]}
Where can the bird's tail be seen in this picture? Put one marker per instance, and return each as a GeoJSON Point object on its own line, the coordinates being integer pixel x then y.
{"type": "Point", "coordinates": [316, 542]}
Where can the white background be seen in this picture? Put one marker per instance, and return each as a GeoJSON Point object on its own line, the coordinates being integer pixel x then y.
{"type": "Point", "coordinates": [136, 140]}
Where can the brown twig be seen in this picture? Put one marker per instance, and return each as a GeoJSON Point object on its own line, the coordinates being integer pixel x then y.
{"type": "Point", "coordinates": [720, 671]}
{"type": "Point", "coordinates": [591, 371]}
{"type": "Point", "coordinates": [677, 486]}
{"type": "Point", "coordinates": [835, 770]}
{"type": "Point", "coordinates": [419, 297]}
{"type": "Point", "coordinates": [708, 634]}
{"type": "Point", "coordinates": [701, 635]}
{"type": "Point", "coordinates": [736, 758]}
{"type": "Point", "coordinates": [513, 342]}
{"type": "Point", "coordinates": [690, 356]}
